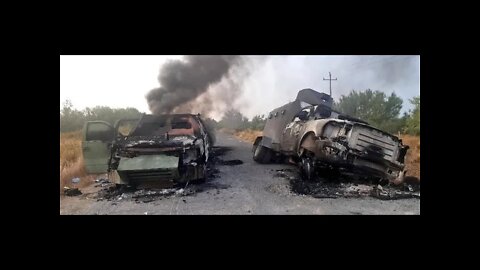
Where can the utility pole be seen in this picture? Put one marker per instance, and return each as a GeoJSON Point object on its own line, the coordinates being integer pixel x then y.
{"type": "Point", "coordinates": [330, 79]}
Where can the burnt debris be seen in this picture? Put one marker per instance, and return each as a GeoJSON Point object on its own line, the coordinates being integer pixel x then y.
{"type": "Point", "coordinates": [155, 191]}
{"type": "Point", "coordinates": [232, 162]}
{"type": "Point", "coordinates": [347, 186]}
{"type": "Point", "coordinates": [219, 151]}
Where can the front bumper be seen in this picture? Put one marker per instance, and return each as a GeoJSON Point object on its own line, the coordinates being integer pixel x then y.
{"type": "Point", "coordinates": [152, 168]}
{"type": "Point", "coordinates": [339, 155]}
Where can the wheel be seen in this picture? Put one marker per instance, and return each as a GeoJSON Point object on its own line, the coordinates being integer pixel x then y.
{"type": "Point", "coordinates": [400, 179]}
{"type": "Point", "coordinates": [203, 178]}
{"type": "Point", "coordinates": [308, 168]}
{"type": "Point", "coordinates": [262, 154]}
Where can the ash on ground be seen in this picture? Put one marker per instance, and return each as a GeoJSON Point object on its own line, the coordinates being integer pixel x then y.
{"type": "Point", "coordinates": [219, 151]}
{"type": "Point", "coordinates": [334, 185]}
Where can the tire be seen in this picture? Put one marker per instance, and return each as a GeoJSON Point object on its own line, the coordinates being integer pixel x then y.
{"type": "Point", "coordinates": [262, 154]}
{"type": "Point", "coordinates": [400, 179]}
{"type": "Point", "coordinates": [308, 168]}
{"type": "Point", "coordinates": [203, 178]}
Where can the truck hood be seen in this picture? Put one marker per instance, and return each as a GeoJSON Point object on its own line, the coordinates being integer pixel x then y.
{"type": "Point", "coordinates": [321, 122]}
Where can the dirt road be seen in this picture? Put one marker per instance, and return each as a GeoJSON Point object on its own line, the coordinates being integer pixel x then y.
{"type": "Point", "coordinates": [236, 189]}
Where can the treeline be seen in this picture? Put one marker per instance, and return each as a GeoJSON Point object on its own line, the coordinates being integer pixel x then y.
{"type": "Point", "coordinates": [381, 111]}
{"type": "Point", "coordinates": [72, 119]}
{"type": "Point", "coordinates": [375, 107]}
{"type": "Point", "coordinates": [233, 119]}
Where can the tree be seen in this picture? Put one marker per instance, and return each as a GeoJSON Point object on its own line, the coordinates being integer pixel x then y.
{"type": "Point", "coordinates": [72, 119]}
{"type": "Point", "coordinates": [110, 115]}
{"type": "Point", "coordinates": [233, 119]}
{"type": "Point", "coordinates": [375, 107]}
{"type": "Point", "coordinates": [258, 122]}
{"type": "Point", "coordinates": [413, 122]}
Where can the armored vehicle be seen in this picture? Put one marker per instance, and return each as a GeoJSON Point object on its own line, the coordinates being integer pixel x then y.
{"type": "Point", "coordinates": [314, 135]}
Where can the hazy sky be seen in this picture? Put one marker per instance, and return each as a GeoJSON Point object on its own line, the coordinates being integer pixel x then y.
{"type": "Point", "coordinates": [123, 81]}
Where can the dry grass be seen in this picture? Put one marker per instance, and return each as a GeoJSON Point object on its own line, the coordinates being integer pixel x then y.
{"type": "Point", "coordinates": [228, 131]}
{"type": "Point", "coordinates": [412, 159]}
{"type": "Point", "coordinates": [248, 135]}
{"type": "Point", "coordinates": [71, 160]}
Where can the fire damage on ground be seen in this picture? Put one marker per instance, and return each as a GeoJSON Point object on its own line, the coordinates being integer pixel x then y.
{"type": "Point", "coordinates": [326, 184]}
{"type": "Point", "coordinates": [334, 185]}
{"type": "Point", "coordinates": [157, 191]}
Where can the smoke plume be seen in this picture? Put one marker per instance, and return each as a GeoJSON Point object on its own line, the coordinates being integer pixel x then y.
{"type": "Point", "coordinates": [254, 85]}
{"type": "Point", "coordinates": [184, 85]}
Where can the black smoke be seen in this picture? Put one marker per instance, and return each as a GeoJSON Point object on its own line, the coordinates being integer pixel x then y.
{"type": "Point", "coordinates": [182, 82]}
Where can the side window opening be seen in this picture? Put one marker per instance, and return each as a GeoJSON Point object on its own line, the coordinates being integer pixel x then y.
{"type": "Point", "coordinates": [322, 112]}
{"type": "Point", "coordinates": [185, 125]}
{"type": "Point", "coordinates": [181, 124]}
{"type": "Point", "coordinates": [99, 132]}
{"type": "Point", "coordinates": [126, 127]}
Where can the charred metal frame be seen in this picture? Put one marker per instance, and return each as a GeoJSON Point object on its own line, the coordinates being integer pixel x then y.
{"type": "Point", "coordinates": [334, 139]}
{"type": "Point", "coordinates": [179, 154]}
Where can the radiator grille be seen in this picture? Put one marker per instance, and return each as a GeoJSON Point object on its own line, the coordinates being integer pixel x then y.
{"type": "Point", "coordinates": [384, 144]}
{"type": "Point", "coordinates": [153, 175]}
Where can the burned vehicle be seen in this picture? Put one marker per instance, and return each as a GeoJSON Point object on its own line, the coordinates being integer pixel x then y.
{"type": "Point", "coordinates": [311, 133]}
{"type": "Point", "coordinates": [172, 147]}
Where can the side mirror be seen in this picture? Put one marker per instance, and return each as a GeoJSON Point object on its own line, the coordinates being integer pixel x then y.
{"type": "Point", "coordinates": [303, 115]}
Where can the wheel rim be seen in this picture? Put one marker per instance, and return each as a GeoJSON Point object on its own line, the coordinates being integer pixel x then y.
{"type": "Point", "coordinates": [257, 150]}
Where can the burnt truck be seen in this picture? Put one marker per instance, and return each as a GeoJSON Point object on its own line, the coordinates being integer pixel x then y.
{"type": "Point", "coordinates": [153, 148]}
{"type": "Point", "coordinates": [315, 136]}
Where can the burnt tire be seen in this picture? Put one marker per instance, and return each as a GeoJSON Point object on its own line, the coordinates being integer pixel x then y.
{"type": "Point", "coordinates": [308, 168]}
{"type": "Point", "coordinates": [262, 154]}
{"type": "Point", "coordinates": [203, 178]}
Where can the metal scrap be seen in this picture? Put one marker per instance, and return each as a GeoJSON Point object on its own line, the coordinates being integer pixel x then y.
{"type": "Point", "coordinates": [348, 188]}
{"type": "Point", "coordinates": [393, 194]}
{"type": "Point", "coordinates": [102, 182]}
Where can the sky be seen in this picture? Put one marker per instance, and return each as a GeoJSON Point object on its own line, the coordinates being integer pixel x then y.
{"type": "Point", "coordinates": [123, 81]}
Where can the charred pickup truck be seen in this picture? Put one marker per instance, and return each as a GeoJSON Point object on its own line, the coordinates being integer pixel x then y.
{"type": "Point", "coordinates": [165, 147]}
{"type": "Point", "coordinates": [311, 133]}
